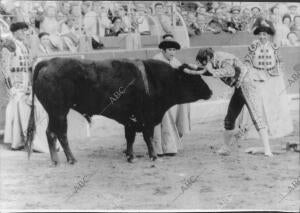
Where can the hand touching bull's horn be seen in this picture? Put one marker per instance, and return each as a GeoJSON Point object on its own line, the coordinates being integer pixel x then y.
{"type": "Point", "coordinates": [193, 69]}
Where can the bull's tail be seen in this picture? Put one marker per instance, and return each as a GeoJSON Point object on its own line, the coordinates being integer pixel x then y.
{"type": "Point", "coordinates": [31, 127]}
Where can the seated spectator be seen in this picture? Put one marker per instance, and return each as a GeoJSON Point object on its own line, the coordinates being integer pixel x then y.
{"type": "Point", "coordinates": [293, 40]}
{"type": "Point", "coordinates": [296, 26]}
{"type": "Point", "coordinates": [162, 23]}
{"type": "Point", "coordinates": [49, 22]}
{"type": "Point", "coordinates": [246, 19]}
{"type": "Point", "coordinates": [201, 9]}
{"type": "Point", "coordinates": [219, 23]}
{"type": "Point", "coordinates": [143, 21]}
{"type": "Point", "coordinates": [293, 10]}
{"type": "Point", "coordinates": [192, 26]}
{"type": "Point", "coordinates": [255, 13]}
{"type": "Point", "coordinates": [65, 8]}
{"type": "Point", "coordinates": [275, 15]}
{"type": "Point", "coordinates": [125, 19]}
{"type": "Point", "coordinates": [44, 46]}
{"type": "Point", "coordinates": [90, 23]}
{"type": "Point", "coordinates": [235, 22]}
{"type": "Point", "coordinates": [282, 31]}
{"type": "Point", "coordinates": [103, 20]}
{"type": "Point", "coordinates": [117, 27]}
{"type": "Point", "coordinates": [50, 43]}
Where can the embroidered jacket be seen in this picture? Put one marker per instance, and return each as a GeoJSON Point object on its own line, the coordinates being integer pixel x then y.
{"type": "Point", "coordinates": [263, 58]}
{"type": "Point", "coordinates": [20, 66]}
{"type": "Point", "coordinates": [229, 68]}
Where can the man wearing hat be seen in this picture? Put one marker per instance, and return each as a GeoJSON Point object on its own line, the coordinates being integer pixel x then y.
{"type": "Point", "coordinates": [19, 76]}
{"type": "Point", "coordinates": [236, 22]}
{"type": "Point", "coordinates": [293, 10]}
{"type": "Point", "coordinates": [176, 122]}
{"type": "Point", "coordinates": [264, 59]}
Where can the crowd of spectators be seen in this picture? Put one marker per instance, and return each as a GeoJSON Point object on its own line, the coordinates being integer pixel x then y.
{"type": "Point", "coordinates": [80, 26]}
{"type": "Point", "coordinates": [217, 17]}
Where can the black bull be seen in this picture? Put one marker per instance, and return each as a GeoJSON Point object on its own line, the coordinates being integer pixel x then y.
{"type": "Point", "coordinates": [134, 93]}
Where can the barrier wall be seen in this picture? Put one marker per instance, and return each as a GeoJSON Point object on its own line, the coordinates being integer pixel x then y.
{"type": "Point", "coordinates": [290, 56]}
{"type": "Point", "coordinates": [207, 38]}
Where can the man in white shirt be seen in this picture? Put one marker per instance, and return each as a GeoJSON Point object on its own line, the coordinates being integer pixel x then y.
{"type": "Point", "coordinates": [91, 25]}
{"type": "Point", "coordinates": [19, 76]}
{"type": "Point", "coordinates": [176, 121]}
{"type": "Point", "coordinates": [162, 21]}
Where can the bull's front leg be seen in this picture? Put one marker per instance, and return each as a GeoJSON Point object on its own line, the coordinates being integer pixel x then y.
{"type": "Point", "coordinates": [130, 136]}
{"type": "Point", "coordinates": [148, 137]}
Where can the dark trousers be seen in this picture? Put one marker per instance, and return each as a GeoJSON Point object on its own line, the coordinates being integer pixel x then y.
{"type": "Point", "coordinates": [235, 107]}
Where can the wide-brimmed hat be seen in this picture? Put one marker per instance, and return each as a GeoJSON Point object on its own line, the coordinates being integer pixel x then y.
{"type": "Point", "coordinates": [256, 8]}
{"type": "Point", "coordinates": [263, 25]}
{"type": "Point", "coordinates": [169, 42]}
{"type": "Point", "coordinates": [292, 5]}
{"type": "Point", "coordinates": [235, 8]}
{"type": "Point", "coordinates": [18, 26]}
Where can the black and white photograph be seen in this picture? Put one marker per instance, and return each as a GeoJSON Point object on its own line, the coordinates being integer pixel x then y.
{"type": "Point", "coordinates": [149, 106]}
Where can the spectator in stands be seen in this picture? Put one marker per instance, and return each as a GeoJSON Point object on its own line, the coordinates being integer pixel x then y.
{"type": "Point", "coordinates": [202, 23]}
{"type": "Point", "coordinates": [143, 21]}
{"type": "Point", "coordinates": [192, 26]}
{"type": "Point", "coordinates": [162, 21]}
{"type": "Point", "coordinates": [103, 20]}
{"type": "Point", "coordinates": [19, 14]}
{"type": "Point", "coordinates": [275, 15]}
{"type": "Point", "coordinates": [65, 8]}
{"type": "Point", "coordinates": [49, 22]}
{"type": "Point", "coordinates": [44, 46]}
{"type": "Point", "coordinates": [117, 27]}
{"type": "Point", "coordinates": [219, 23]}
{"type": "Point", "coordinates": [293, 40]}
{"type": "Point", "coordinates": [90, 23]}
{"type": "Point", "coordinates": [246, 19]}
{"type": "Point", "coordinates": [293, 10]}
{"type": "Point", "coordinates": [296, 25]}
{"type": "Point", "coordinates": [236, 22]}
{"type": "Point", "coordinates": [282, 30]}
{"type": "Point", "coordinates": [201, 9]}
{"type": "Point", "coordinates": [125, 19]}
{"type": "Point", "coordinates": [255, 13]}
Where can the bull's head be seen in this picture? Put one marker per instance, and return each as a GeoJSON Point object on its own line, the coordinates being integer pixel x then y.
{"type": "Point", "coordinates": [189, 77]}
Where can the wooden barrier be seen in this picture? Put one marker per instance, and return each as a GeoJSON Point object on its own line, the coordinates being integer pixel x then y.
{"type": "Point", "coordinates": [205, 39]}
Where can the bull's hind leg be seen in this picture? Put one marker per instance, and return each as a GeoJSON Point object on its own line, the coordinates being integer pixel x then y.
{"type": "Point", "coordinates": [51, 137]}
{"type": "Point", "coordinates": [60, 129]}
{"type": "Point", "coordinates": [130, 136]}
{"type": "Point", "coordinates": [148, 137]}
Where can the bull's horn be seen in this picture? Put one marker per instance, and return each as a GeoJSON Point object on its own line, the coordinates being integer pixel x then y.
{"type": "Point", "coordinates": [192, 72]}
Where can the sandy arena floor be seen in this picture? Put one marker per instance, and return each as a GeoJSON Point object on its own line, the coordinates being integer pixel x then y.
{"type": "Point", "coordinates": [197, 178]}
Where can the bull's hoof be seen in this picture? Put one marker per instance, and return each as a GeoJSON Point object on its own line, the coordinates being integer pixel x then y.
{"type": "Point", "coordinates": [72, 161]}
{"type": "Point", "coordinates": [153, 158]}
{"type": "Point", "coordinates": [54, 163]}
{"type": "Point", "coordinates": [130, 158]}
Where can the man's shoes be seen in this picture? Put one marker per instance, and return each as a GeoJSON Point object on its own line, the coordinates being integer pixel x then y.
{"type": "Point", "coordinates": [18, 148]}
{"type": "Point", "coordinates": [170, 154]}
